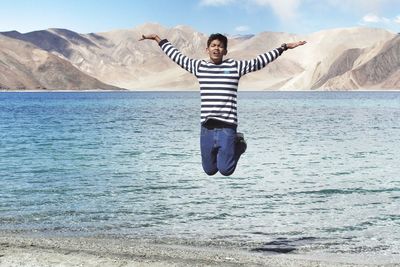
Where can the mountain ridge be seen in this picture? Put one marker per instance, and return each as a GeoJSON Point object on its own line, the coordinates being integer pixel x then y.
{"type": "Point", "coordinates": [336, 59]}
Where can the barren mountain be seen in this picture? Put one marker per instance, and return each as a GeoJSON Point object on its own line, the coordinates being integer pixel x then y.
{"type": "Point", "coordinates": [338, 59]}
{"type": "Point", "coordinates": [382, 69]}
{"type": "Point", "coordinates": [25, 66]}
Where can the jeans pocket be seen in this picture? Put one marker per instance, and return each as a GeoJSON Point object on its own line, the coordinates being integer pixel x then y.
{"type": "Point", "coordinates": [203, 131]}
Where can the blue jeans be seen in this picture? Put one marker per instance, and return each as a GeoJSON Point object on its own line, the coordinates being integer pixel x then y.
{"type": "Point", "coordinates": [219, 150]}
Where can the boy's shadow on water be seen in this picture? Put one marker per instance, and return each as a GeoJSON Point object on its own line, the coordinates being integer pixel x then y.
{"type": "Point", "coordinates": [284, 245]}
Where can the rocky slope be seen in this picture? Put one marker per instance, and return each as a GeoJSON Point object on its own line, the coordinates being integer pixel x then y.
{"type": "Point", "coordinates": [338, 59]}
{"type": "Point", "coordinates": [25, 66]}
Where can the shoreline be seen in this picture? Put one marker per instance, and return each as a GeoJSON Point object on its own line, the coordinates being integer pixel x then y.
{"type": "Point", "coordinates": [197, 90]}
{"type": "Point", "coordinates": [33, 250]}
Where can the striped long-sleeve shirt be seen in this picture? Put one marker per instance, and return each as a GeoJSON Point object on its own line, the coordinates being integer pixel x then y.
{"type": "Point", "coordinates": [219, 83]}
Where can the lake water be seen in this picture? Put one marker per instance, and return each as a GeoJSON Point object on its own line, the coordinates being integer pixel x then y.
{"type": "Point", "coordinates": [321, 173]}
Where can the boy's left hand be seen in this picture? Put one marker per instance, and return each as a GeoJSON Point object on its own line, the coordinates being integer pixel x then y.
{"type": "Point", "coordinates": [295, 44]}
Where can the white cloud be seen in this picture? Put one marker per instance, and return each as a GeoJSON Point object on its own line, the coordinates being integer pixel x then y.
{"type": "Point", "coordinates": [216, 2]}
{"type": "Point", "coordinates": [371, 18]}
{"type": "Point", "coordinates": [290, 10]}
{"type": "Point", "coordinates": [242, 28]}
{"type": "Point", "coordinates": [374, 19]}
{"type": "Point", "coordinates": [284, 9]}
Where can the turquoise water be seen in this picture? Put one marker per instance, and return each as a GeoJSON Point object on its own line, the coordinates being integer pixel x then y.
{"type": "Point", "coordinates": [321, 172]}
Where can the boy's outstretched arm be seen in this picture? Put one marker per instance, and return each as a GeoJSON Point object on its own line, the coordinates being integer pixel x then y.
{"type": "Point", "coordinates": [156, 38]}
{"type": "Point", "coordinates": [261, 61]}
{"type": "Point", "coordinates": [185, 62]}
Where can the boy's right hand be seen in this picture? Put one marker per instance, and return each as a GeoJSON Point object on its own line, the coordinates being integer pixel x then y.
{"type": "Point", "coordinates": [150, 37]}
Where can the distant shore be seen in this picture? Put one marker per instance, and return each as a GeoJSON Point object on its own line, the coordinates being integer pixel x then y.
{"type": "Point", "coordinates": [29, 250]}
{"type": "Point", "coordinates": [58, 91]}
{"type": "Point", "coordinates": [187, 90]}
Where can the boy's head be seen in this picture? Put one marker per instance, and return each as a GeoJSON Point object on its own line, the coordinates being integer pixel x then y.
{"type": "Point", "coordinates": [219, 37]}
{"type": "Point", "coordinates": [217, 46]}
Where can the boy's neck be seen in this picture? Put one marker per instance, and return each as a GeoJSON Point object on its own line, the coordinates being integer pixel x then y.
{"type": "Point", "coordinates": [216, 62]}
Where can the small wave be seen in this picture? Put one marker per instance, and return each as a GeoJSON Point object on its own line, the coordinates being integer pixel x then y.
{"type": "Point", "coordinates": [348, 191]}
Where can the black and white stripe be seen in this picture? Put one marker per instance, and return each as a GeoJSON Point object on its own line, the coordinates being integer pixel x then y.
{"type": "Point", "coordinates": [219, 83]}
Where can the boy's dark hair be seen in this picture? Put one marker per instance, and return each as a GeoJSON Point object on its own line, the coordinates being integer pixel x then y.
{"type": "Point", "coordinates": [219, 37]}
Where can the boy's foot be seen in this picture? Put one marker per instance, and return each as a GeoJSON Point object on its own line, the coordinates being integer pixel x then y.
{"type": "Point", "coordinates": [241, 143]}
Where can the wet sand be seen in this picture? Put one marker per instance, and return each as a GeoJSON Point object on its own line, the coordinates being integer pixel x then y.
{"type": "Point", "coordinates": [22, 250]}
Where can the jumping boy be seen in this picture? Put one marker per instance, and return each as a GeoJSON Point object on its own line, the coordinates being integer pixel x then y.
{"type": "Point", "coordinates": [221, 145]}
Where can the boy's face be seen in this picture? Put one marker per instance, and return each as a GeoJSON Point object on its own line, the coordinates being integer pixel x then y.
{"type": "Point", "coordinates": [216, 51]}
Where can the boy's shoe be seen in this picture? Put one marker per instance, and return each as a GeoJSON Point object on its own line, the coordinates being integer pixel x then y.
{"type": "Point", "coordinates": [242, 145]}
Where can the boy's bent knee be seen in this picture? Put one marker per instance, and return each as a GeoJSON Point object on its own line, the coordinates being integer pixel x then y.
{"type": "Point", "coordinates": [210, 172]}
{"type": "Point", "coordinates": [228, 172]}
{"type": "Point", "coordinates": [227, 169]}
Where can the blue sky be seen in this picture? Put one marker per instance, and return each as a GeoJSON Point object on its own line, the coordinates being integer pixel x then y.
{"type": "Point", "coordinates": [207, 16]}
